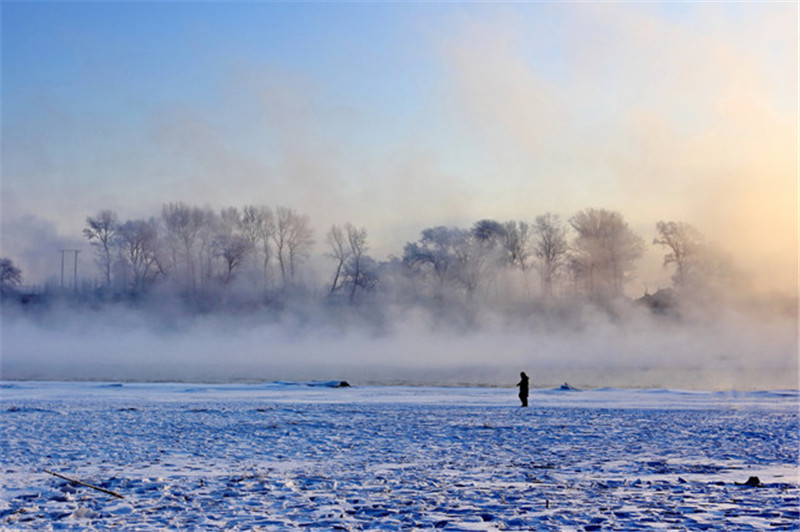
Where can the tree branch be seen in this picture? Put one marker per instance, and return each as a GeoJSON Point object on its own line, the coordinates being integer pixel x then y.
{"type": "Point", "coordinates": [75, 481]}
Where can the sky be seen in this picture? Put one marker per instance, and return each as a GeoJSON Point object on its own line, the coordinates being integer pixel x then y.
{"type": "Point", "coordinates": [401, 116]}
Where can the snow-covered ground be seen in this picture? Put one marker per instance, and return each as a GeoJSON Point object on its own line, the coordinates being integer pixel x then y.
{"type": "Point", "coordinates": [285, 456]}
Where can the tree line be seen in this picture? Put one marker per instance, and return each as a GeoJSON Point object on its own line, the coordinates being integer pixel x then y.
{"type": "Point", "coordinates": [195, 248]}
{"type": "Point", "coordinates": [200, 253]}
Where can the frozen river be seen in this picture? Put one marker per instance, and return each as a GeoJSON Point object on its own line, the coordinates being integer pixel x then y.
{"type": "Point", "coordinates": [286, 456]}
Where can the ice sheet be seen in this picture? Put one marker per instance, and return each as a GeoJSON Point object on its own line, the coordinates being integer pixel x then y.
{"type": "Point", "coordinates": [281, 456]}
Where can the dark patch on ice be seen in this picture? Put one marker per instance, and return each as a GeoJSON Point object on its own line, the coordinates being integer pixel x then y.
{"type": "Point", "coordinates": [203, 410]}
{"type": "Point", "coordinates": [195, 390]}
{"type": "Point", "coordinates": [111, 385]}
{"type": "Point", "coordinates": [313, 384]}
{"type": "Point", "coordinates": [752, 482]}
{"type": "Point", "coordinates": [28, 410]}
{"type": "Point", "coordinates": [328, 384]}
{"type": "Point", "coordinates": [566, 387]}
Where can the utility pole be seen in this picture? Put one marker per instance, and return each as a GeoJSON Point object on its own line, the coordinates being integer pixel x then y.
{"type": "Point", "coordinates": [62, 267]}
{"type": "Point", "coordinates": [74, 270]}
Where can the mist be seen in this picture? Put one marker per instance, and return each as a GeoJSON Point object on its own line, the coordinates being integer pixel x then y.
{"type": "Point", "coordinates": [631, 348]}
{"type": "Point", "coordinates": [472, 306]}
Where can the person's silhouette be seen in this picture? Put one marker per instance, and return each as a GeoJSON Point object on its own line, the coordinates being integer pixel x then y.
{"type": "Point", "coordinates": [523, 388]}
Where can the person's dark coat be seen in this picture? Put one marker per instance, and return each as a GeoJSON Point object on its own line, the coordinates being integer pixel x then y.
{"type": "Point", "coordinates": [523, 388]}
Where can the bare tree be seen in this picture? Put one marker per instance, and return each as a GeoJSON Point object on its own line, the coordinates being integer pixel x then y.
{"type": "Point", "coordinates": [138, 243]}
{"type": "Point", "coordinates": [206, 234]}
{"type": "Point", "coordinates": [258, 227]}
{"type": "Point", "coordinates": [339, 252]}
{"type": "Point", "coordinates": [700, 265]}
{"type": "Point", "coordinates": [280, 237]}
{"type": "Point", "coordinates": [100, 231]}
{"type": "Point", "coordinates": [293, 238]}
{"type": "Point", "coordinates": [517, 243]}
{"type": "Point", "coordinates": [230, 221]}
{"type": "Point", "coordinates": [233, 250]}
{"type": "Point", "coordinates": [183, 225]}
{"type": "Point", "coordinates": [454, 256]}
{"type": "Point", "coordinates": [357, 239]}
{"type": "Point", "coordinates": [230, 243]}
{"type": "Point", "coordinates": [473, 255]}
{"type": "Point", "coordinates": [266, 231]}
{"type": "Point", "coordinates": [433, 255]}
{"type": "Point", "coordinates": [254, 221]}
{"type": "Point", "coordinates": [605, 250]}
{"type": "Point", "coordinates": [684, 242]}
{"type": "Point", "coordinates": [348, 246]}
{"type": "Point", "coordinates": [549, 247]}
{"type": "Point", "coordinates": [301, 238]}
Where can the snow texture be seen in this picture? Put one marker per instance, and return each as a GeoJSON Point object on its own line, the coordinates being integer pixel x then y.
{"type": "Point", "coordinates": [285, 456]}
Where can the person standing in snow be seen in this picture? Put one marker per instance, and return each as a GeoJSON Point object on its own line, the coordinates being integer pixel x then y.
{"type": "Point", "coordinates": [523, 388]}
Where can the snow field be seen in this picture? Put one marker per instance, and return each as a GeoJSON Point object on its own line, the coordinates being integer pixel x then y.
{"type": "Point", "coordinates": [290, 457]}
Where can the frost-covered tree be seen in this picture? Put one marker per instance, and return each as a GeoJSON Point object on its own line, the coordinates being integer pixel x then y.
{"type": "Point", "coordinates": [205, 252]}
{"type": "Point", "coordinates": [230, 244]}
{"type": "Point", "coordinates": [685, 244]}
{"type": "Point", "coordinates": [489, 231]}
{"type": "Point", "coordinates": [549, 248]}
{"type": "Point", "coordinates": [10, 276]}
{"type": "Point", "coordinates": [258, 224]}
{"type": "Point", "coordinates": [454, 257]}
{"type": "Point", "coordinates": [357, 238]}
{"type": "Point", "coordinates": [233, 250]}
{"type": "Point", "coordinates": [339, 252]}
{"type": "Point", "coordinates": [517, 242]}
{"type": "Point", "coordinates": [348, 246]}
{"type": "Point", "coordinates": [700, 266]}
{"type": "Point", "coordinates": [101, 231]}
{"type": "Point", "coordinates": [139, 247]}
{"type": "Point", "coordinates": [183, 224]}
{"type": "Point", "coordinates": [433, 256]}
{"type": "Point", "coordinates": [363, 277]}
{"type": "Point", "coordinates": [230, 221]}
{"type": "Point", "coordinates": [293, 239]}
{"type": "Point", "coordinates": [480, 255]}
{"type": "Point", "coordinates": [604, 251]}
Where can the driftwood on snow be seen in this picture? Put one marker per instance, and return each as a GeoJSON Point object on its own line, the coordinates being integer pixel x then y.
{"type": "Point", "coordinates": [81, 483]}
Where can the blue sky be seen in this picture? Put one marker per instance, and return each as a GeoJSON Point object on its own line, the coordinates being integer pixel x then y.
{"type": "Point", "coordinates": [398, 116]}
